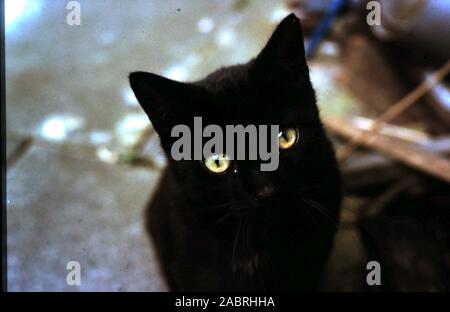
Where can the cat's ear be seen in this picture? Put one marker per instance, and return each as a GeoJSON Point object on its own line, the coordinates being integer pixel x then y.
{"type": "Point", "coordinates": [166, 102]}
{"type": "Point", "coordinates": [284, 54]}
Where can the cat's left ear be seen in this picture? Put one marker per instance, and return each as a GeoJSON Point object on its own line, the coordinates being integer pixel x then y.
{"type": "Point", "coordinates": [166, 102]}
{"type": "Point", "coordinates": [283, 57]}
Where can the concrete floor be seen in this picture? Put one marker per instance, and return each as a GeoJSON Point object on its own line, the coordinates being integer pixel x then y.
{"type": "Point", "coordinates": [65, 207]}
{"type": "Point", "coordinates": [67, 89]}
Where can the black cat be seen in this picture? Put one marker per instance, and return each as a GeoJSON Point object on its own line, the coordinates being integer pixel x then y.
{"type": "Point", "coordinates": [242, 228]}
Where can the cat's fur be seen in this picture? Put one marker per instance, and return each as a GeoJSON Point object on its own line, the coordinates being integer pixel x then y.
{"type": "Point", "coordinates": [245, 229]}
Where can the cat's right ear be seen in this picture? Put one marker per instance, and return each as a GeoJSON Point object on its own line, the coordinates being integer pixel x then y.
{"type": "Point", "coordinates": [283, 57]}
{"type": "Point", "coordinates": [164, 101]}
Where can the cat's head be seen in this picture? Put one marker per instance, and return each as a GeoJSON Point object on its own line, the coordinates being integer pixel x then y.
{"type": "Point", "coordinates": [272, 89]}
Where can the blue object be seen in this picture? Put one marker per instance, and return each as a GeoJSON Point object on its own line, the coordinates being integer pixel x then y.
{"type": "Point", "coordinates": [323, 27]}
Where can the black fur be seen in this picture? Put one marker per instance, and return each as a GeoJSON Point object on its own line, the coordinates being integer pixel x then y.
{"type": "Point", "coordinates": [214, 232]}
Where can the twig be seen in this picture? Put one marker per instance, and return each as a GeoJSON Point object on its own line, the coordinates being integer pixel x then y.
{"type": "Point", "coordinates": [21, 149]}
{"type": "Point", "coordinates": [377, 205]}
{"type": "Point", "coordinates": [393, 112]}
{"type": "Point", "coordinates": [409, 154]}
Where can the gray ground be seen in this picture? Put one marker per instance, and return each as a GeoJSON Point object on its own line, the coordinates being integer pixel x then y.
{"type": "Point", "coordinates": [70, 114]}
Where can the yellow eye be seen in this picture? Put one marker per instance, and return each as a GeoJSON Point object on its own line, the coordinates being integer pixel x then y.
{"type": "Point", "coordinates": [287, 138]}
{"type": "Point", "coordinates": [217, 163]}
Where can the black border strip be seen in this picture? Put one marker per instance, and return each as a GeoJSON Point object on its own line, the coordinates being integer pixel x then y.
{"type": "Point", "coordinates": [3, 148]}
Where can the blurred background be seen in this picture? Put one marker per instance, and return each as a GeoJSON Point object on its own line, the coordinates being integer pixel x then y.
{"type": "Point", "coordinates": [83, 159]}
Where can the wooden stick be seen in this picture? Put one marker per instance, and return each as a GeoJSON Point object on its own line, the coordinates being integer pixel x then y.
{"type": "Point", "coordinates": [399, 150]}
{"type": "Point", "coordinates": [394, 111]}
{"type": "Point", "coordinates": [374, 207]}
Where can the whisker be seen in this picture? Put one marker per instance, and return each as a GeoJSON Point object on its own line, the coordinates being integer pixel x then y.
{"type": "Point", "coordinates": [217, 206]}
{"type": "Point", "coordinates": [313, 218]}
{"type": "Point", "coordinates": [212, 207]}
{"type": "Point", "coordinates": [222, 219]}
{"type": "Point", "coordinates": [322, 210]}
{"type": "Point", "coordinates": [235, 244]}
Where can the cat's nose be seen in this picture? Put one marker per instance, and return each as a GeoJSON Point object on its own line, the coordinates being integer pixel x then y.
{"type": "Point", "coordinates": [261, 184]}
{"type": "Point", "coordinates": [264, 191]}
